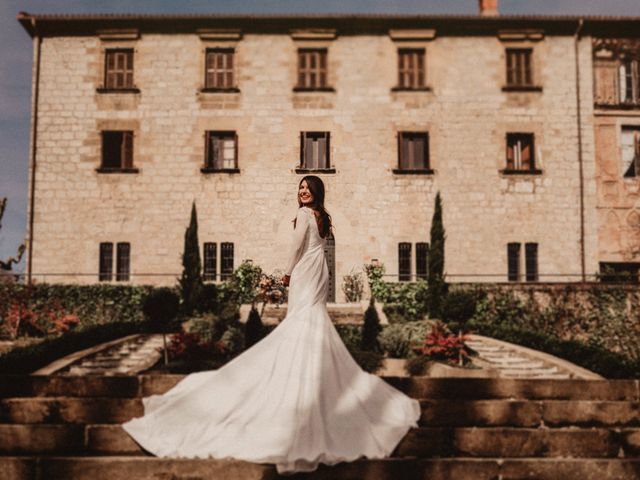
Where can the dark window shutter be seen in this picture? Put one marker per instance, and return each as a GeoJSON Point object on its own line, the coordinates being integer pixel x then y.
{"type": "Point", "coordinates": [422, 260]}
{"type": "Point", "coordinates": [404, 261]}
{"type": "Point", "coordinates": [210, 257]}
{"type": "Point", "coordinates": [127, 149]}
{"type": "Point", "coordinates": [531, 261]}
{"type": "Point", "coordinates": [124, 249]}
{"type": "Point", "coordinates": [513, 261]}
{"type": "Point", "coordinates": [226, 260]}
{"type": "Point", "coordinates": [106, 261]}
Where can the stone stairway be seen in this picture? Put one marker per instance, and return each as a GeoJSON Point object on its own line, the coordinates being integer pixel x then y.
{"type": "Point", "coordinates": [516, 361]}
{"type": "Point", "coordinates": [67, 427]}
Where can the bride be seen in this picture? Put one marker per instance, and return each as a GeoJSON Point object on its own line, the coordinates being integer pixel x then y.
{"type": "Point", "coordinates": [296, 398]}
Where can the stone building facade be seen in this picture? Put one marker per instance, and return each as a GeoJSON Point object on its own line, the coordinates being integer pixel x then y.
{"type": "Point", "coordinates": [137, 117]}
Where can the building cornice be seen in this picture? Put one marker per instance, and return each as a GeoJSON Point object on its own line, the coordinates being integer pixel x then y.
{"type": "Point", "coordinates": [344, 24]}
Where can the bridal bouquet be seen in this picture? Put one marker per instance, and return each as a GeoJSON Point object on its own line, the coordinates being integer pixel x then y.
{"type": "Point", "coordinates": [271, 290]}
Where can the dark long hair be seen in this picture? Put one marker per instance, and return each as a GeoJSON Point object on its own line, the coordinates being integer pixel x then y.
{"type": "Point", "coordinates": [316, 187]}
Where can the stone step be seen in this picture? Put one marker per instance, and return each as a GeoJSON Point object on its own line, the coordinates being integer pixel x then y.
{"type": "Point", "coordinates": [421, 442]}
{"type": "Point", "coordinates": [435, 412]}
{"type": "Point", "coordinates": [152, 468]}
{"type": "Point", "coordinates": [125, 386]}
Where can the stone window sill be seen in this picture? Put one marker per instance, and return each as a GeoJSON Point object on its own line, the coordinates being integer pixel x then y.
{"type": "Point", "coordinates": [117, 170]}
{"type": "Point", "coordinates": [533, 171]}
{"type": "Point", "coordinates": [219, 90]}
{"type": "Point", "coordinates": [219, 170]}
{"type": "Point", "coordinates": [313, 89]}
{"type": "Point", "coordinates": [315, 170]}
{"type": "Point", "coordinates": [411, 89]}
{"type": "Point", "coordinates": [118, 90]}
{"type": "Point", "coordinates": [420, 171]}
{"type": "Point", "coordinates": [522, 88]}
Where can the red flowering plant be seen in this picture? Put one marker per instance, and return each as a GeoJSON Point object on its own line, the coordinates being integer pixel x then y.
{"type": "Point", "coordinates": [443, 347]}
{"type": "Point", "coordinates": [21, 319]}
{"type": "Point", "coordinates": [194, 349]}
{"type": "Point", "coordinates": [271, 289]}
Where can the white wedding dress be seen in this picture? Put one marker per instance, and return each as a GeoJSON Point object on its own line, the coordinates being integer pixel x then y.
{"type": "Point", "coordinates": [296, 398]}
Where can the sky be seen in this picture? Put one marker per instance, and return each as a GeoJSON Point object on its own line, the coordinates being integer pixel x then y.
{"type": "Point", "coordinates": [16, 60]}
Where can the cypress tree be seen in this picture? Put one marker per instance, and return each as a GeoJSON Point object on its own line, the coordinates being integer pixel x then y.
{"type": "Point", "coordinates": [191, 280]}
{"type": "Point", "coordinates": [435, 278]}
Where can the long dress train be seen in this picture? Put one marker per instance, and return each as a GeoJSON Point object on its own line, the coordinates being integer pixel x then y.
{"type": "Point", "coordinates": [296, 398]}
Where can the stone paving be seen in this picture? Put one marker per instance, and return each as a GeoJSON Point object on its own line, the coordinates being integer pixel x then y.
{"type": "Point", "coordinates": [126, 358]}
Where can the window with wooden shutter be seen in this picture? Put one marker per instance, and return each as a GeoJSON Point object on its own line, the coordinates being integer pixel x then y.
{"type": "Point", "coordinates": [630, 139]}
{"type": "Point", "coordinates": [629, 81]}
{"type": "Point", "coordinates": [422, 260]}
{"type": "Point", "coordinates": [314, 150]}
{"type": "Point", "coordinates": [219, 69]}
{"type": "Point", "coordinates": [605, 81]}
{"type": "Point", "coordinates": [117, 149]}
{"type": "Point", "coordinates": [312, 68]}
{"type": "Point", "coordinates": [519, 68]}
{"type": "Point", "coordinates": [106, 262]}
{"type": "Point", "coordinates": [210, 257]}
{"type": "Point", "coordinates": [118, 69]}
{"type": "Point", "coordinates": [513, 261]}
{"type": "Point", "coordinates": [123, 259]}
{"type": "Point", "coordinates": [404, 261]}
{"type": "Point", "coordinates": [520, 151]}
{"type": "Point", "coordinates": [226, 260]}
{"type": "Point", "coordinates": [413, 150]}
{"type": "Point", "coordinates": [531, 261]}
{"type": "Point", "coordinates": [221, 150]}
{"type": "Point", "coordinates": [411, 68]}
{"type": "Point", "coordinates": [616, 64]}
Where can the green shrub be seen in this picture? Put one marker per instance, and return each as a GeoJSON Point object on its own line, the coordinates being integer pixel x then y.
{"type": "Point", "coordinates": [254, 330]}
{"type": "Point", "coordinates": [458, 306]}
{"type": "Point", "coordinates": [208, 300]}
{"type": "Point", "coordinates": [352, 286]}
{"type": "Point", "coordinates": [368, 361]}
{"type": "Point", "coordinates": [398, 339]}
{"type": "Point", "coordinates": [351, 335]}
{"type": "Point", "coordinates": [245, 280]}
{"type": "Point", "coordinates": [371, 329]}
{"type": "Point", "coordinates": [160, 308]}
{"type": "Point", "coordinates": [406, 301]}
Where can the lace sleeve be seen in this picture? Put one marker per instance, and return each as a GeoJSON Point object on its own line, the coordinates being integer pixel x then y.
{"type": "Point", "coordinates": [298, 238]}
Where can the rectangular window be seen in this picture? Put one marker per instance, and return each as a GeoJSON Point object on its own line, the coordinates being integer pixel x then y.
{"type": "Point", "coordinates": [117, 149]}
{"type": "Point", "coordinates": [312, 68]}
{"type": "Point", "coordinates": [404, 261]}
{"type": "Point", "coordinates": [630, 138]}
{"type": "Point", "coordinates": [106, 261]}
{"type": "Point", "coordinates": [123, 258]}
{"type": "Point", "coordinates": [118, 72]}
{"type": "Point", "coordinates": [520, 151]}
{"type": "Point", "coordinates": [531, 261]}
{"type": "Point", "coordinates": [314, 150]}
{"type": "Point", "coordinates": [219, 68]}
{"type": "Point", "coordinates": [619, 272]}
{"type": "Point", "coordinates": [210, 257]}
{"type": "Point", "coordinates": [513, 261]}
{"type": "Point", "coordinates": [413, 150]}
{"type": "Point", "coordinates": [629, 90]}
{"type": "Point", "coordinates": [226, 260]}
{"type": "Point", "coordinates": [221, 150]}
{"type": "Point", "coordinates": [422, 260]}
{"type": "Point", "coordinates": [519, 67]}
{"type": "Point", "coordinates": [411, 68]}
